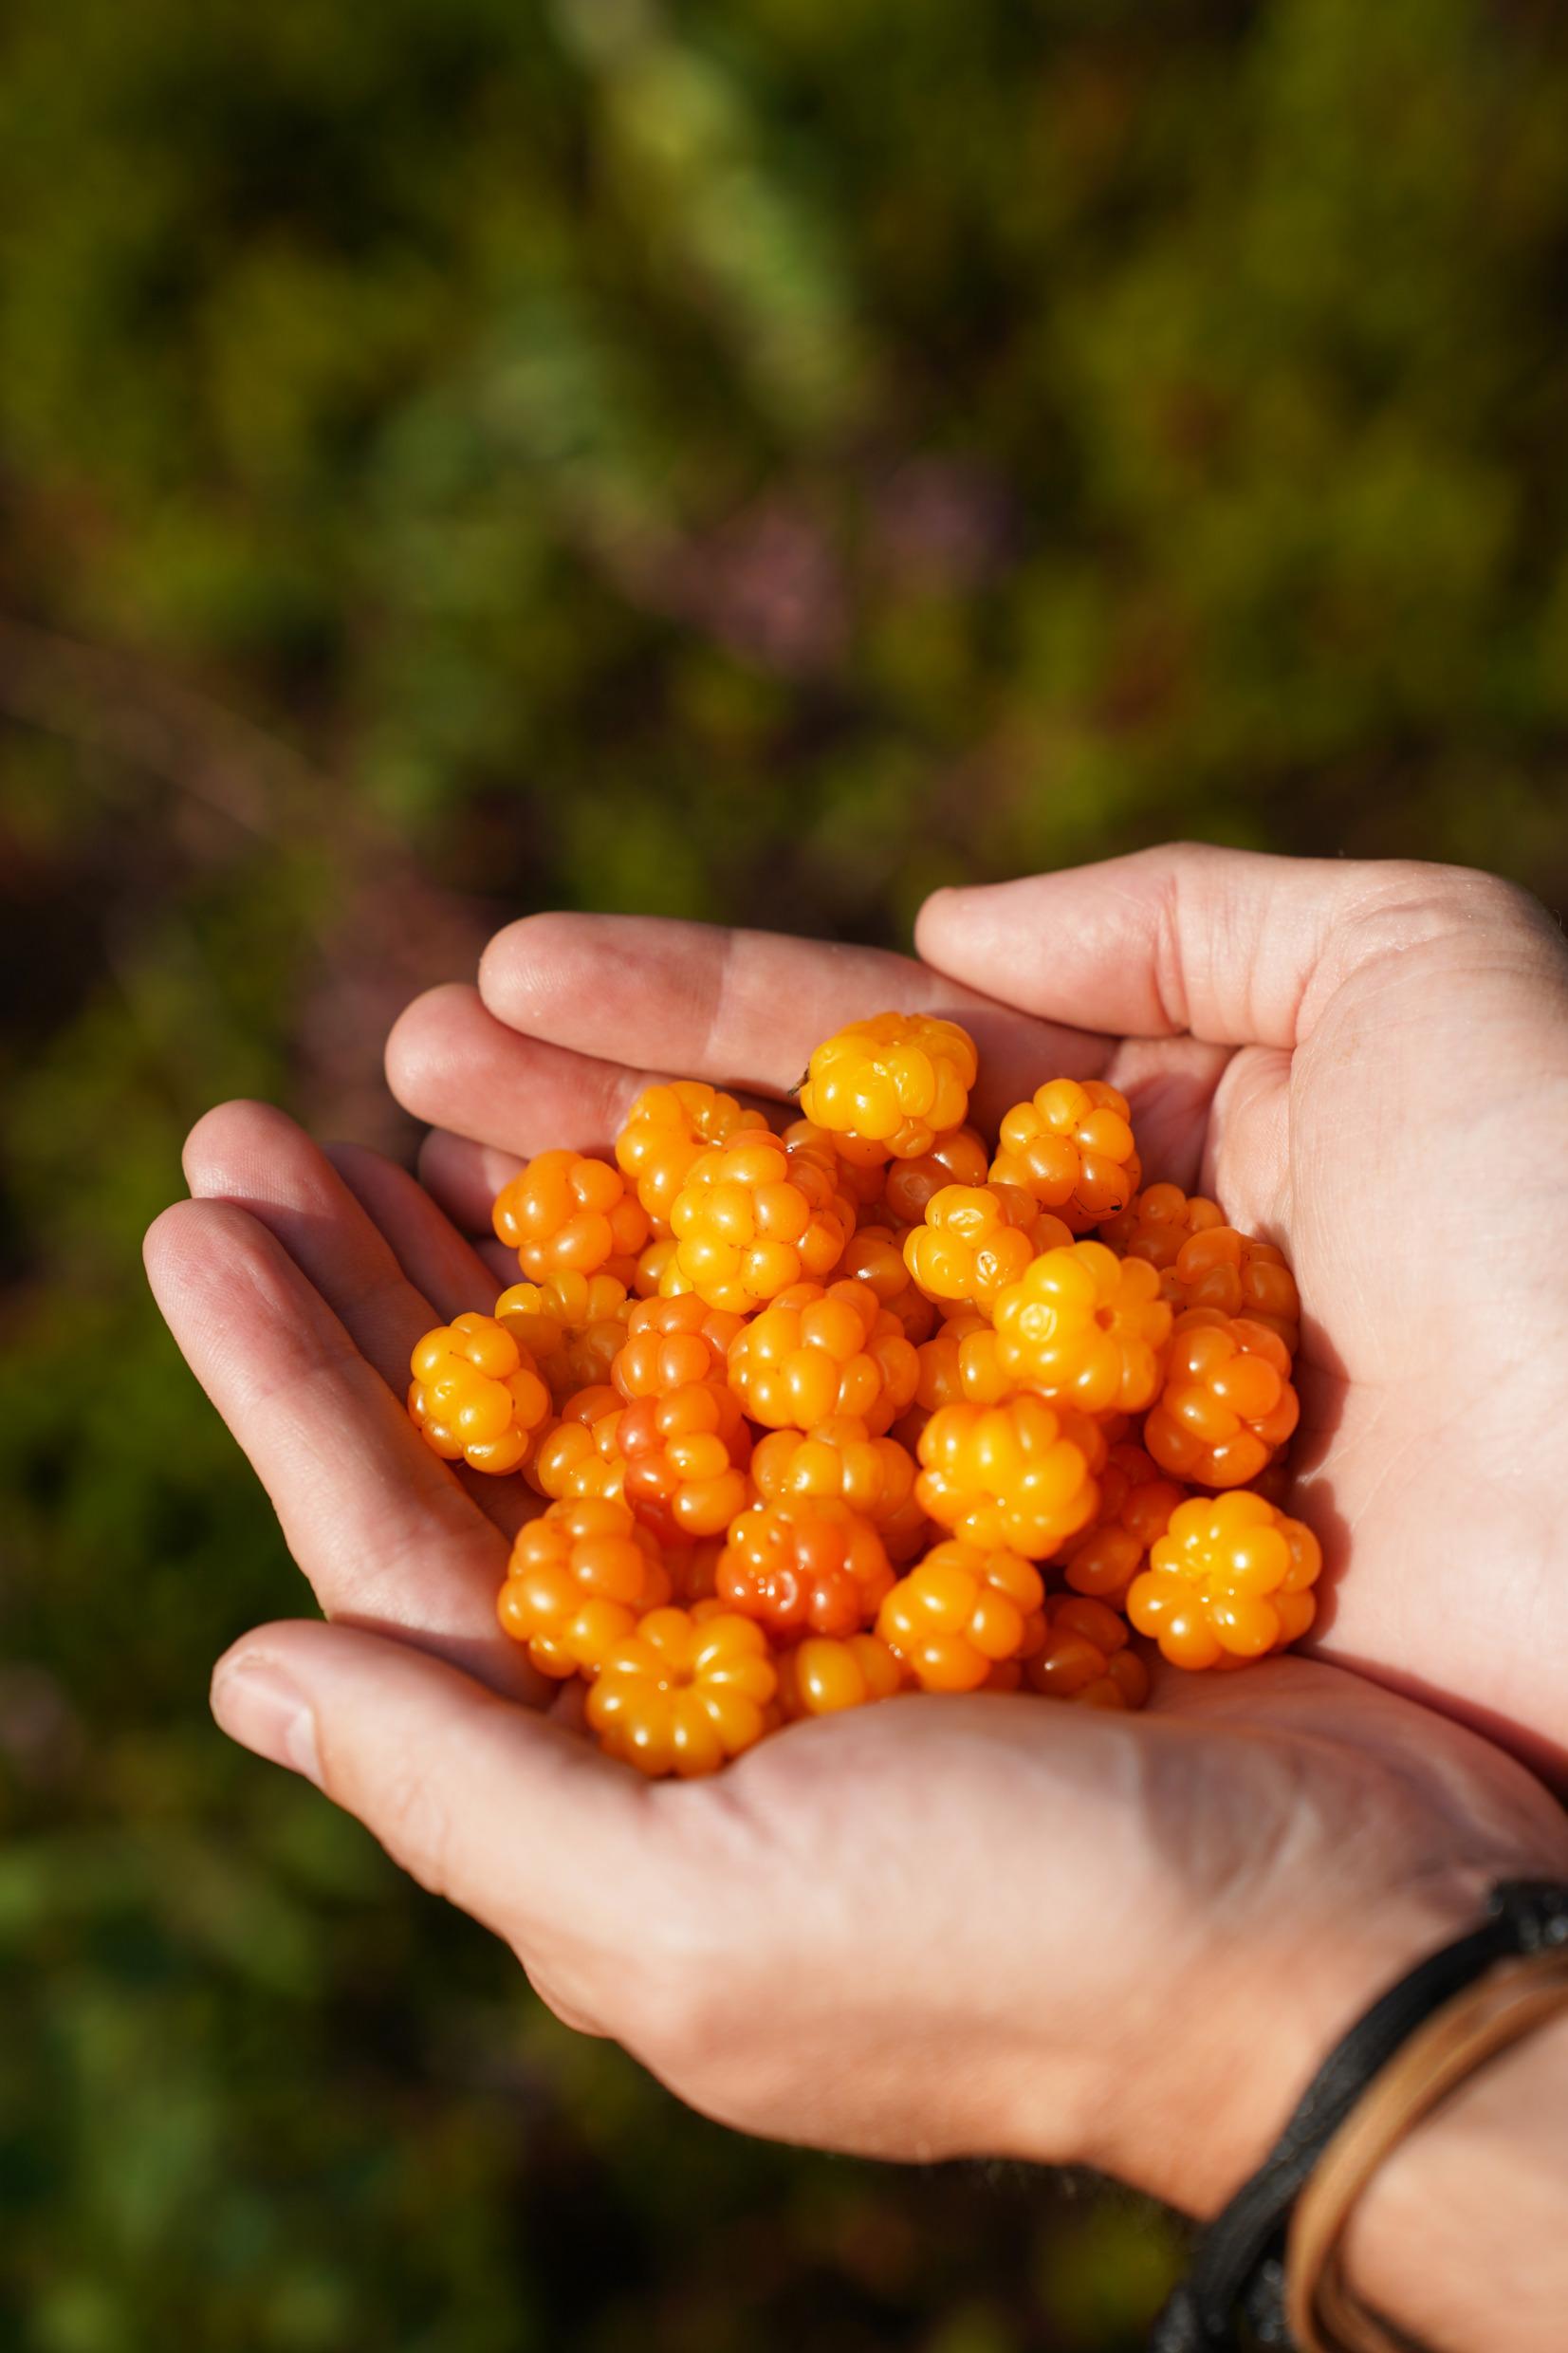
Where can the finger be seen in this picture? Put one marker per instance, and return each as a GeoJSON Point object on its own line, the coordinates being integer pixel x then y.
{"type": "Point", "coordinates": [383, 1533]}
{"type": "Point", "coordinates": [252, 1154]}
{"type": "Point", "coordinates": [442, 1266]}
{"type": "Point", "coordinates": [520, 1822]}
{"type": "Point", "coordinates": [747, 1008]}
{"type": "Point", "coordinates": [1225, 944]}
{"type": "Point", "coordinates": [464, 1178]}
{"type": "Point", "coordinates": [451, 1063]}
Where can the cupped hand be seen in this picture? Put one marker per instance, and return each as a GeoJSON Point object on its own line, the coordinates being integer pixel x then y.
{"type": "Point", "coordinates": [932, 1927]}
{"type": "Point", "coordinates": [1366, 1062]}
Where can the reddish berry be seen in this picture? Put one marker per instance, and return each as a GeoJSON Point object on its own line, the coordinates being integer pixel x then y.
{"type": "Point", "coordinates": [839, 1461]}
{"type": "Point", "coordinates": [1007, 1477]}
{"type": "Point", "coordinates": [1135, 1504]}
{"type": "Point", "coordinates": [666, 1130]}
{"type": "Point", "coordinates": [1086, 1326]}
{"type": "Point", "coordinates": [753, 1219]}
{"type": "Point", "coordinates": [579, 1579]}
{"type": "Point", "coordinates": [1071, 1146]}
{"type": "Point", "coordinates": [821, 1675]}
{"type": "Point", "coordinates": [1084, 1655]}
{"type": "Point", "coordinates": [1231, 1577]}
{"type": "Point", "coordinates": [571, 1325]}
{"type": "Point", "coordinates": [683, 1692]}
{"type": "Point", "coordinates": [960, 1612]}
{"type": "Point", "coordinates": [566, 1213]}
{"type": "Point", "coordinates": [1227, 1403]}
{"type": "Point", "coordinates": [476, 1395]}
{"type": "Point", "coordinates": [804, 1567]}
{"type": "Point", "coordinates": [898, 1079]}
{"type": "Point", "coordinates": [670, 1343]}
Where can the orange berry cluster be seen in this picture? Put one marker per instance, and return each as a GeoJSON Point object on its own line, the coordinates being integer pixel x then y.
{"type": "Point", "coordinates": [865, 1406]}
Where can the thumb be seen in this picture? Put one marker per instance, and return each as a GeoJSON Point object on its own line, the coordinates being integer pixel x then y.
{"type": "Point", "coordinates": [519, 1821]}
{"type": "Point", "coordinates": [1234, 948]}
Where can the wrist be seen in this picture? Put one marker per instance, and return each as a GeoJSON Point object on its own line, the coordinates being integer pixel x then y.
{"type": "Point", "coordinates": [1459, 2238]}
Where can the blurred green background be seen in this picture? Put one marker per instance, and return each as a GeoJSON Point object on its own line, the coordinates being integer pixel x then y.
{"type": "Point", "coordinates": [754, 461]}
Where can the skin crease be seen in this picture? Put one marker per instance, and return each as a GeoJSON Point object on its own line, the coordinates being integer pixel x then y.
{"type": "Point", "coordinates": [995, 1925]}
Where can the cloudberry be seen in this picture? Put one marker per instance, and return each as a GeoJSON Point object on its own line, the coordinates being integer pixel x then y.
{"type": "Point", "coordinates": [821, 1676]}
{"type": "Point", "coordinates": [839, 1461]}
{"type": "Point", "coordinates": [874, 1255]}
{"type": "Point", "coordinates": [1086, 1326]}
{"type": "Point", "coordinates": [859, 1167]}
{"type": "Point", "coordinates": [753, 1219]}
{"type": "Point", "coordinates": [683, 1692]}
{"type": "Point", "coordinates": [1084, 1655]}
{"type": "Point", "coordinates": [659, 1274]}
{"type": "Point", "coordinates": [804, 1567]}
{"type": "Point", "coordinates": [1231, 1577]}
{"type": "Point", "coordinates": [686, 1454]}
{"type": "Point", "coordinates": [1204, 1262]}
{"type": "Point", "coordinates": [1071, 1145]}
{"type": "Point", "coordinates": [898, 1079]}
{"type": "Point", "coordinates": [959, 1157]}
{"type": "Point", "coordinates": [817, 1351]}
{"type": "Point", "coordinates": [1007, 1477]}
{"type": "Point", "coordinates": [666, 1129]}
{"type": "Point", "coordinates": [1154, 1224]}
{"type": "Point", "coordinates": [566, 1212]}
{"type": "Point", "coordinates": [571, 1325]}
{"type": "Point", "coordinates": [579, 1579]}
{"type": "Point", "coordinates": [975, 1240]}
{"type": "Point", "coordinates": [476, 1395]}
{"type": "Point", "coordinates": [580, 1455]}
{"type": "Point", "coordinates": [1227, 1403]}
{"type": "Point", "coordinates": [959, 1612]}
{"type": "Point", "coordinates": [670, 1343]}
{"type": "Point", "coordinates": [1135, 1504]}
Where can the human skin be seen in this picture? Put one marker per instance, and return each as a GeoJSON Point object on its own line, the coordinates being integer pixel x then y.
{"type": "Point", "coordinates": [946, 1926]}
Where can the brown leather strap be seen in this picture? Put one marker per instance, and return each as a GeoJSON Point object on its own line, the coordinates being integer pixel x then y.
{"type": "Point", "coordinates": [1486, 2017]}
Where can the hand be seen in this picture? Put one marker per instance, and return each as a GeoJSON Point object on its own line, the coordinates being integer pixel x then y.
{"type": "Point", "coordinates": [1368, 1064]}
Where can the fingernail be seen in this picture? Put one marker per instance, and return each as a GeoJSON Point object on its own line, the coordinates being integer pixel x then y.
{"type": "Point", "coordinates": [264, 1710]}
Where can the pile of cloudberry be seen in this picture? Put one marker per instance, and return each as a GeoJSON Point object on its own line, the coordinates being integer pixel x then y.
{"type": "Point", "coordinates": [863, 1406]}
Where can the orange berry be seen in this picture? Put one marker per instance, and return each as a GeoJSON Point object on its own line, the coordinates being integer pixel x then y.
{"type": "Point", "coordinates": [1009, 1476]}
{"type": "Point", "coordinates": [1135, 1504]}
{"type": "Point", "coordinates": [566, 1212]}
{"type": "Point", "coordinates": [1230, 1578]}
{"type": "Point", "coordinates": [821, 1676]}
{"type": "Point", "coordinates": [686, 1456]}
{"type": "Point", "coordinates": [1154, 1224]}
{"type": "Point", "coordinates": [670, 1343]}
{"type": "Point", "coordinates": [1071, 1145]}
{"type": "Point", "coordinates": [976, 1240]}
{"type": "Point", "coordinates": [874, 1255]}
{"type": "Point", "coordinates": [959, 1157]}
{"type": "Point", "coordinates": [659, 1274]}
{"type": "Point", "coordinates": [960, 1612]}
{"type": "Point", "coordinates": [683, 1692]}
{"type": "Point", "coordinates": [858, 1167]}
{"type": "Point", "coordinates": [580, 1455]}
{"type": "Point", "coordinates": [1086, 1326]}
{"type": "Point", "coordinates": [476, 1396]}
{"type": "Point", "coordinates": [1205, 1263]}
{"type": "Point", "coordinates": [806, 1567]}
{"type": "Point", "coordinates": [571, 1325]}
{"type": "Point", "coordinates": [579, 1579]}
{"type": "Point", "coordinates": [1227, 1403]}
{"type": "Point", "coordinates": [839, 1461]}
{"type": "Point", "coordinates": [898, 1079]}
{"type": "Point", "coordinates": [1084, 1655]}
{"type": "Point", "coordinates": [817, 1351]}
{"type": "Point", "coordinates": [753, 1219]}
{"type": "Point", "coordinates": [666, 1129]}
